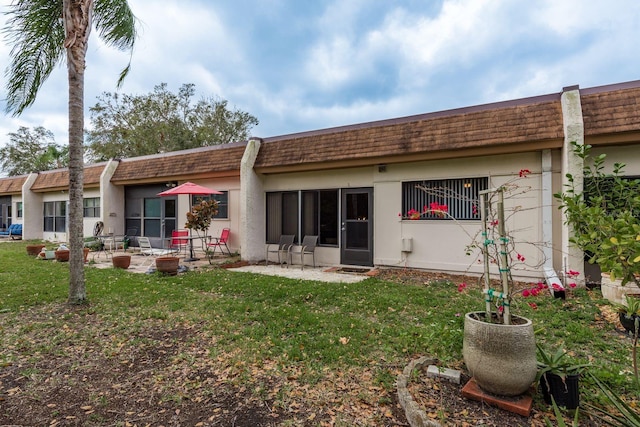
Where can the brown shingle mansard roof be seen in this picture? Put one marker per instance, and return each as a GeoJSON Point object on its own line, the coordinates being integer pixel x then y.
{"type": "Point", "coordinates": [206, 162]}
{"type": "Point", "coordinates": [12, 185]}
{"type": "Point", "coordinates": [612, 113]}
{"type": "Point", "coordinates": [59, 179]}
{"type": "Point", "coordinates": [505, 127]}
{"type": "Point", "coordinates": [502, 127]}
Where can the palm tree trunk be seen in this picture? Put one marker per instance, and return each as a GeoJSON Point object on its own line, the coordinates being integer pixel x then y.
{"type": "Point", "coordinates": [77, 22]}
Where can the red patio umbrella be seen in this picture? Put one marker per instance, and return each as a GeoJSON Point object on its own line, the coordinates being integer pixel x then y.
{"type": "Point", "coordinates": [189, 188]}
{"type": "Point", "coordinates": [192, 190]}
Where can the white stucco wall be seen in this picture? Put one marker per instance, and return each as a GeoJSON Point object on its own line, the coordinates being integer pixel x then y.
{"type": "Point", "coordinates": [58, 196]}
{"type": "Point", "coordinates": [627, 154]}
{"type": "Point", "coordinates": [89, 223]}
{"type": "Point", "coordinates": [251, 204]}
{"type": "Point", "coordinates": [232, 185]}
{"type": "Point", "coordinates": [438, 245]}
{"type": "Point", "coordinates": [32, 215]}
{"type": "Point", "coordinates": [111, 203]}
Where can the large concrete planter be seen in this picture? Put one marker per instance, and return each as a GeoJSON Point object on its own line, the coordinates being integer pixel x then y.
{"type": "Point", "coordinates": [614, 291]}
{"type": "Point", "coordinates": [501, 358]}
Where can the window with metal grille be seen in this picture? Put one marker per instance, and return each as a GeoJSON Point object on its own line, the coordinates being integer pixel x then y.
{"type": "Point", "coordinates": [460, 196]}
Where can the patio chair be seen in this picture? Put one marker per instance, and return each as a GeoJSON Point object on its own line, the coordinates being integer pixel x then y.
{"type": "Point", "coordinates": [150, 252]}
{"type": "Point", "coordinates": [178, 242]}
{"type": "Point", "coordinates": [282, 249]}
{"type": "Point", "coordinates": [308, 247]}
{"type": "Point", "coordinates": [114, 243]}
{"type": "Point", "coordinates": [218, 242]}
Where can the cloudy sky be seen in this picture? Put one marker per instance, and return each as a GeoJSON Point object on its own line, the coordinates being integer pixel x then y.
{"type": "Point", "coordinates": [304, 65]}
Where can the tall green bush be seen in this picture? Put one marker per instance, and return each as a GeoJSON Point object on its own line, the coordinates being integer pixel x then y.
{"type": "Point", "coordinates": [604, 215]}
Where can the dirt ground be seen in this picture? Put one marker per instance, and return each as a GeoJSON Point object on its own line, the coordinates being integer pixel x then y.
{"type": "Point", "coordinates": [148, 383]}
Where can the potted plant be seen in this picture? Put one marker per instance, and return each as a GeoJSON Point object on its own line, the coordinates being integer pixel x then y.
{"type": "Point", "coordinates": [629, 313]}
{"type": "Point", "coordinates": [504, 364]}
{"type": "Point", "coordinates": [498, 347]}
{"type": "Point", "coordinates": [559, 378]}
{"type": "Point", "coordinates": [603, 214]}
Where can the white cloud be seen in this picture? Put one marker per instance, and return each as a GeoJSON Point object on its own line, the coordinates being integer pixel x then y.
{"type": "Point", "coordinates": [307, 65]}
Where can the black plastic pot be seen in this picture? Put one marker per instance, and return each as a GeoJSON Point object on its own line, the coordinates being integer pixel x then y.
{"type": "Point", "coordinates": [566, 393]}
{"type": "Point", "coordinates": [628, 322]}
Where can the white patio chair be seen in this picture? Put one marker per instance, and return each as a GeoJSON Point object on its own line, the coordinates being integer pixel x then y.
{"type": "Point", "coordinates": [150, 252]}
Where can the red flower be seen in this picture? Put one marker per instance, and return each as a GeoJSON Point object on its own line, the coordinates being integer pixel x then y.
{"type": "Point", "coordinates": [535, 292]}
{"type": "Point", "coordinates": [572, 285]}
{"type": "Point", "coordinates": [526, 293]}
{"type": "Point", "coordinates": [573, 273]}
{"type": "Point", "coordinates": [520, 258]}
{"type": "Point", "coordinates": [541, 285]}
{"type": "Point", "coordinates": [533, 305]}
{"type": "Point", "coordinates": [524, 173]}
{"type": "Point", "coordinates": [413, 214]}
{"type": "Point", "coordinates": [461, 287]}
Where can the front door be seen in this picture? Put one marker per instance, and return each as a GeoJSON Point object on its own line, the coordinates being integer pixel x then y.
{"type": "Point", "coordinates": [356, 245]}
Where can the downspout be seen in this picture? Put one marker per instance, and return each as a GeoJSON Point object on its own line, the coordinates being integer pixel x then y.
{"type": "Point", "coordinates": [547, 226]}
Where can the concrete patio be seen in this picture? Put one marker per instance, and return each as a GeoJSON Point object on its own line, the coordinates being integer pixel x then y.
{"type": "Point", "coordinates": [146, 264]}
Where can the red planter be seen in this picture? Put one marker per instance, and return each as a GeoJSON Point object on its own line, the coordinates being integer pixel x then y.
{"type": "Point", "coordinates": [121, 261]}
{"type": "Point", "coordinates": [168, 265]}
{"type": "Point", "coordinates": [62, 255]}
{"type": "Point", "coordinates": [34, 250]}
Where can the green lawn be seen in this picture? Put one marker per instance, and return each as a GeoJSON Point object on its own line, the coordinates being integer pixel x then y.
{"type": "Point", "coordinates": [291, 352]}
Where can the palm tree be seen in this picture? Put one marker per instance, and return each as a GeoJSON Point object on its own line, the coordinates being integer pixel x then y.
{"type": "Point", "coordinates": [44, 33]}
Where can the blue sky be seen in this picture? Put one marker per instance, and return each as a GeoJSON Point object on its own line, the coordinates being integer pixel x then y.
{"type": "Point", "coordinates": [306, 65]}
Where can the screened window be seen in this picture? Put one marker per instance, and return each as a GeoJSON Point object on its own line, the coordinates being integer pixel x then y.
{"type": "Point", "coordinates": [302, 213]}
{"type": "Point", "coordinates": [460, 196]}
{"type": "Point", "coordinates": [223, 203]}
{"type": "Point", "coordinates": [55, 216]}
{"type": "Point", "coordinates": [91, 207]}
{"type": "Point", "coordinates": [19, 209]}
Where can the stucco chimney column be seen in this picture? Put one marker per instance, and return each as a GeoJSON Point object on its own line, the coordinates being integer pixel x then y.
{"type": "Point", "coordinates": [252, 206]}
{"type": "Point", "coordinates": [573, 258]}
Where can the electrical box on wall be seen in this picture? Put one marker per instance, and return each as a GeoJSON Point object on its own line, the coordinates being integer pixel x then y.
{"type": "Point", "coordinates": [407, 244]}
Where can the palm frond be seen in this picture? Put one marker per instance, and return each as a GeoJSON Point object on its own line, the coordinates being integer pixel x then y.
{"type": "Point", "coordinates": [115, 23]}
{"type": "Point", "coordinates": [37, 34]}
